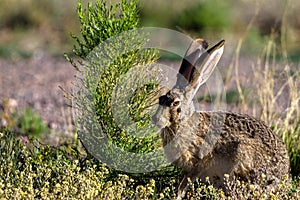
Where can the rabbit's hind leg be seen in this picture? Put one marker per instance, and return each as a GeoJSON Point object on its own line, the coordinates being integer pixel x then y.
{"type": "Point", "coordinates": [182, 188]}
{"type": "Point", "coordinates": [184, 183]}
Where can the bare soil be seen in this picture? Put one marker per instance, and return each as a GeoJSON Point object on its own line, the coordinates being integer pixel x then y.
{"type": "Point", "coordinates": [37, 83]}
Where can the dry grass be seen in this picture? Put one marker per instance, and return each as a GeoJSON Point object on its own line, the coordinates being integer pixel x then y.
{"type": "Point", "coordinates": [273, 93]}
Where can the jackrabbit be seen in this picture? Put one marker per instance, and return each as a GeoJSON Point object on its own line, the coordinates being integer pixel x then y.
{"type": "Point", "coordinates": [211, 144]}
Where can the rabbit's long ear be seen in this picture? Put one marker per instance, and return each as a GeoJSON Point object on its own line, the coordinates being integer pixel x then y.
{"type": "Point", "coordinates": [206, 65]}
{"type": "Point", "coordinates": [192, 55]}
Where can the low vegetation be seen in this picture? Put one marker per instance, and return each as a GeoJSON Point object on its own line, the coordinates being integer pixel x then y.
{"type": "Point", "coordinates": [31, 170]}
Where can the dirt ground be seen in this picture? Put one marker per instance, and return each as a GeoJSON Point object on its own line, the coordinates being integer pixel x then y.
{"type": "Point", "coordinates": [37, 83]}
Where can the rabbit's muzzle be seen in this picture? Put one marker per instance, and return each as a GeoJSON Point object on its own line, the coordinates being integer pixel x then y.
{"type": "Point", "coordinates": [160, 118]}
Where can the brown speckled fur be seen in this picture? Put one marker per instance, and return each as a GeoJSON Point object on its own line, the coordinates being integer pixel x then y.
{"type": "Point", "coordinates": [245, 147]}
{"type": "Point", "coordinates": [211, 144]}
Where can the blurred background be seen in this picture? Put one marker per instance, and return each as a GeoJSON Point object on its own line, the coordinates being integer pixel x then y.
{"type": "Point", "coordinates": [29, 27]}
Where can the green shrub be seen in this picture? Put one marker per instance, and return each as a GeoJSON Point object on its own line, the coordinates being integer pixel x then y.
{"type": "Point", "coordinates": [12, 51]}
{"type": "Point", "coordinates": [100, 23]}
{"type": "Point", "coordinates": [25, 123]}
{"type": "Point", "coordinates": [30, 123]}
{"type": "Point", "coordinates": [207, 16]}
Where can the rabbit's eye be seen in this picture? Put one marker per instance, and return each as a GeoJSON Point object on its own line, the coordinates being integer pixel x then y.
{"type": "Point", "coordinates": [176, 103]}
